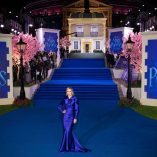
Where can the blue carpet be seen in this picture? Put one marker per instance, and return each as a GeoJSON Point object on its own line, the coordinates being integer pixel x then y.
{"type": "Point", "coordinates": [102, 126]}
{"type": "Point", "coordinates": [88, 77]}
{"type": "Point", "coordinates": [83, 63]}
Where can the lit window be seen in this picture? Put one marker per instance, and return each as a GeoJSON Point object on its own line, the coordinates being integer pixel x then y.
{"type": "Point", "coordinates": [75, 45]}
{"type": "Point", "coordinates": [94, 28]}
{"type": "Point", "coordinates": [98, 45]}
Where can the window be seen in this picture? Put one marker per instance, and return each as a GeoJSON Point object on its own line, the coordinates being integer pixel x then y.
{"type": "Point", "coordinates": [97, 45]}
{"type": "Point", "coordinates": [79, 30]}
{"type": "Point", "coordinates": [76, 45]}
{"type": "Point", "coordinates": [94, 30]}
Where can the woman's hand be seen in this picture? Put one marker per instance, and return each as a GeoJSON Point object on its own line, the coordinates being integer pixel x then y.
{"type": "Point", "coordinates": [75, 121]}
{"type": "Point", "coordinates": [64, 111]}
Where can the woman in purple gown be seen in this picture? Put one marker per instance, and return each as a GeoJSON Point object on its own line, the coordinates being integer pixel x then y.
{"type": "Point", "coordinates": [69, 107]}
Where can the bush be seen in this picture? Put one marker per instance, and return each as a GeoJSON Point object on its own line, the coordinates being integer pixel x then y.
{"type": "Point", "coordinates": [75, 51]}
{"type": "Point", "coordinates": [97, 51]}
{"type": "Point", "coordinates": [22, 103]}
{"type": "Point", "coordinates": [124, 102]}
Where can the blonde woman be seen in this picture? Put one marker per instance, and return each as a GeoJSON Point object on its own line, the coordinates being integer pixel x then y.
{"type": "Point", "coordinates": [69, 106]}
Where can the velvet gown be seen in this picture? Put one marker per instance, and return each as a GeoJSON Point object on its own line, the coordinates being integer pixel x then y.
{"type": "Point", "coordinates": [69, 140]}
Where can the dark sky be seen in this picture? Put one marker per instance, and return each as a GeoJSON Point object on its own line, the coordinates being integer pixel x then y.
{"type": "Point", "coordinates": [16, 5]}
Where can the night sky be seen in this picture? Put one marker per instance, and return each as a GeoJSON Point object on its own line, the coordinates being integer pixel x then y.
{"type": "Point", "coordinates": [16, 5]}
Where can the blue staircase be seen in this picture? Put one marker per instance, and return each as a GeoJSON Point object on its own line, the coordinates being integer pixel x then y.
{"type": "Point", "coordinates": [88, 77]}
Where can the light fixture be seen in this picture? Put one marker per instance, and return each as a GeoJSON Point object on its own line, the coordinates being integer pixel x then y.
{"type": "Point", "coordinates": [30, 25]}
{"type": "Point", "coordinates": [2, 26]}
{"type": "Point", "coordinates": [21, 45]}
{"type": "Point", "coordinates": [129, 43]}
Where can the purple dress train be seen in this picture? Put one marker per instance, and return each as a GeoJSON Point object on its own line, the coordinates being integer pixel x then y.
{"type": "Point", "coordinates": [69, 140]}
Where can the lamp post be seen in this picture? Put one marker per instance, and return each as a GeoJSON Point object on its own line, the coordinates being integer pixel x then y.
{"type": "Point", "coordinates": [30, 25]}
{"type": "Point", "coordinates": [129, 45]}
{"type": "Point", "coordinates": [21, 47]}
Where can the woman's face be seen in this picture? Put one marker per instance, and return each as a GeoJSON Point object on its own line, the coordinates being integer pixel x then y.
{"type": "Point", "coordinates": [69, 92]}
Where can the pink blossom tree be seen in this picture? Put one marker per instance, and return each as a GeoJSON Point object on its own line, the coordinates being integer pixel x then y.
{"type": "Point", "coordinates": [107, 43]}
{"type": "Point", "coordinates": [136, 53]}
{"type": "Point", "coordinates": [31, 49]}
{"type": "Point", "coordinates": [64, 42]}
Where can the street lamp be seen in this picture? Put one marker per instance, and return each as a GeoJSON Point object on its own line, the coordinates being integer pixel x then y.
{"type": "Point", "coordinates": [30, 25]}
{"type": "Point", "coordinates": [129, 45]}
{"type": "Point", "coordinates": [2, 26]}
{"type": "Point", "coordinates": [21, 47]}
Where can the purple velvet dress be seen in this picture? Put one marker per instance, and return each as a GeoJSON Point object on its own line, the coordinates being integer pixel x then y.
{"type": "Point", "coordinates": [69, 140]}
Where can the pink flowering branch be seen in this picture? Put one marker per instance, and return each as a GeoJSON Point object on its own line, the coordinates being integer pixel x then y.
{"type": "Point", "coordinates": [64, 42]}
{"type": "Point", "coordinates": [32, 47]}
{"type": "Point", "coordinates": [136, 54]}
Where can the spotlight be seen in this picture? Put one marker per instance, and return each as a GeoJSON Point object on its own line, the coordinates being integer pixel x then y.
{"type": "Point", "coordinates": [30, 25]}
{"type": "Point", "coordinates": [2, 26]}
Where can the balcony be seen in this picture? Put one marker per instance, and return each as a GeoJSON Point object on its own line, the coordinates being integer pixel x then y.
{"type": "Point", "coordinates": [94, 34]}
{"type": "Point", "coordinates": [80, 34]}
{"type": "Point", "coordinates": [90, 34]}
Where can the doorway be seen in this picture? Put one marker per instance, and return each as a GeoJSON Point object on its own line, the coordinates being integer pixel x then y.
{"type": "Point", "coordinates": [86, 48]}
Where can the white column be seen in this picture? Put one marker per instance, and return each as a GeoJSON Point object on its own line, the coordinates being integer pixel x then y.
{"type": "Point", "coordinates": [149, 69]}
{"type": "Point", "coordinates": [40, 36]}
{"type": "Point", "coordinates": [4, 81]}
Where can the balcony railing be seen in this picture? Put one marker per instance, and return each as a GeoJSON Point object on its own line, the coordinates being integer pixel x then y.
{"type": "Point", "coordinates": [94, 34]}
{"type": "Point", "coordinates": [91, 34]}
{"type": "Point", "coordinates": [80, 34]}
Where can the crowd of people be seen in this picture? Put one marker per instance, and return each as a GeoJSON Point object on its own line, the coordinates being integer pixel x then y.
{"type": "Point", "coordinates": [112, 58]}
{"type": "Point", "coordinates": [37, 69]}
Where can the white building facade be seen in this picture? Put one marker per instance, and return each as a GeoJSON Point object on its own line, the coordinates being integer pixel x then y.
{"type": "Point", "coordinates": [90, 33]}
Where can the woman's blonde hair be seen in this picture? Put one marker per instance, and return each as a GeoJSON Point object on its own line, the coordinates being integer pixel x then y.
{"type": "Point", "coordinates": [70, 89]}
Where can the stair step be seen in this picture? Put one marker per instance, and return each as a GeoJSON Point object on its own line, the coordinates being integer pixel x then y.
{"type": "Point", "coordinates": [88, 77]}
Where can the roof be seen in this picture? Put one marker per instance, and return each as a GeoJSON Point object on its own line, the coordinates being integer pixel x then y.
{"type": "Point", "coordinates": [48, 3]}
{"type": "Point", "coordinates": [86, 15]}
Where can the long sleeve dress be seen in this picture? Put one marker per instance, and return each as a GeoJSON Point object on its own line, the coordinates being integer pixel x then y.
{"type": "Point", "coordinates": [69, 140]}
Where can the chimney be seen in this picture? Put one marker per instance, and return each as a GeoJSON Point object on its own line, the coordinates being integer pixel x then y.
{"type": "Point", "coordinates": [86, 6]}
